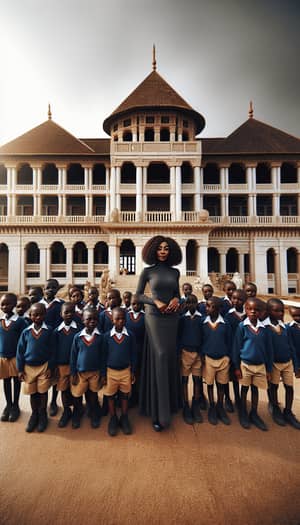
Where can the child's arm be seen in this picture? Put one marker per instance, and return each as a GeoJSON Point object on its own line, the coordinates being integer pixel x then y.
{"type": "Point", "coordinates": [21, 348]}
{"type": "Point", "coordinates": [133, 356]}
{"type": "Point", "coordinates": [236, 351]}
{"type": "Point", "coordinates": [74, 356]}
{"type": "Point", "coordinates": [104, 355]}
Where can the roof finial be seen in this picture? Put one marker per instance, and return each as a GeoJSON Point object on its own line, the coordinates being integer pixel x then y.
{"type": "Point", "coordinates": [49, 112]}
{"type": "Point", "coordinates": [250, 112]}
{"type": "Point", "coordinates": [153, 59]}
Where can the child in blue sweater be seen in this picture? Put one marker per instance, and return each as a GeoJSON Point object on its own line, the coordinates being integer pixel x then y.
{"type": "Point", "coordinates": [63, 339]}
{"type": "Point", "coordinates": [135, 323]}
{"type": "Point", "coordinates": [189, 342]}
{"type": "Point", "coordinates": [113, 300]}
{"type": "Point", "coordinates": [208, 292]}
{"type": "Point", "coordinates": [23, 307]}
{"type": "Point", "coordinates": [216, 348]}
{"type": "Point", "coordinates": [11, 328]}
{"type": "Point", "coordinates": [253, 360]}
{"type": "Point", "coordinates": [85, 364]}
{"type": "Point", "coordinates": [35, 361]}
{"type": "Point", "coordinates": [284, 364]}
{"type": "Point", "coordinates": [228, 288]}
{"type": "Point", "coordinates": [118, 370]}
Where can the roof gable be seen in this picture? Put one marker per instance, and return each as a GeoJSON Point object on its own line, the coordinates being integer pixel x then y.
{"type": "Point", "coordinates": [46, 139]}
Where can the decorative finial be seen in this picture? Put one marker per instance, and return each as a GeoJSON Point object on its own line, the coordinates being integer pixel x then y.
{"type": "Point", "coordinates": [49, 112]}
{"type": "Point", "coordinates": [250, 112]}
{"type": "Point", "coordinates": [153, 59]}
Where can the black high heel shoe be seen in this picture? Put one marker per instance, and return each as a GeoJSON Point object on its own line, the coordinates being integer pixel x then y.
{"type": "Point", "coordinates": [157, 426]}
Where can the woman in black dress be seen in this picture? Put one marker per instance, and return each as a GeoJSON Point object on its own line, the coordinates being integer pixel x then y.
{"type": "Point", "coordinates": [160, 379]}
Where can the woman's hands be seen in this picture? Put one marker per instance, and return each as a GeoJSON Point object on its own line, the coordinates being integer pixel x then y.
{"type": "Point", "coordinates": [173, 305]}
{"type": "Point", "coordinates": [160, 305]}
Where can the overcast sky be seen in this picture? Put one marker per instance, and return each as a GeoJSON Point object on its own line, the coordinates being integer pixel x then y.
{"type": "Point", "coordinates": [85, 57]}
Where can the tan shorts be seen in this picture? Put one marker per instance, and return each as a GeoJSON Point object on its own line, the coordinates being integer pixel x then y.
{"type": "Point", "coordinates": [216, 370]}
{"type": "Point", "coordinates": [36, 379]}
{"type": "Point", "coordinates": [8, 367]}
{"type": "Point", "coordinates": [118, 380]}
{"type": "Point", "coordinates": [63, 377]}
{"type": "Point", "coordinates": [190, 363]}
{"type": "Point", "coordinates": [86, 381]}
{"type": "Point", "coordinates": [284, 371]}
{"type": "Point", "coordinates": [254, 375]}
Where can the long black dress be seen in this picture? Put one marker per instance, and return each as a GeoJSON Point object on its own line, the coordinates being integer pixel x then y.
{"type": "Point", "coordinates": [160, 379]}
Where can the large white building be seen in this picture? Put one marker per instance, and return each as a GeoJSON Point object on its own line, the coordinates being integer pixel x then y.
{"type": "Point", "coordinates": [71, 207]}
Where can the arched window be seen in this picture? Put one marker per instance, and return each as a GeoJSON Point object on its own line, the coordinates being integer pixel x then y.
{"type": "Point", "coordinates": [158, 173]}
{"type": "Point", "coordinates": [263, 173]}
{"type": "Point", "coordinates": [128, 173]}
{"type": "Point", "coordinates": [50, 174]}
{"type": "Point", "coordinates": [58, 253]}
{"type": "Point", "coordinates": [99, 175]}
{"type": "Point", "coordinates": [237, 174]}
{"type": "Point", "coordinates": [213, 257]}
{"type": "Point", "coordinates": [164, 135]}
{"type": "Point", "coordinates": [149, 135]}
{"type": "Point", "coordinates": [271, 261]}
{"type": "Point", "coordinates": [232, 261]}
{"type": "Point", "coordinates": [3, 267]}
{"type": "Point", "coordinates": [288, 174]}
{"type": "Point", "coordinates": [187, 173]}
{"type": "Point", "coordinates": [50, 205]}
{"type": "Point", "coordinates": [3, 174]}
{"type": "Point", "coordinates": [101, 253]}
{"type": "Point", "coordinates": [32, 253]}
{"type": "Point", "coordinates": [75, 174]}
{"type": "Point", "coordinates": [80, 253]}
{"type": "Point", "coordinates": [185, 136]}
{"type": "Point", "coordinates": [127, 136]}
{"type": "Point", "coordinates": [25, 205]}
{"type": "Point", "coordinates": [211, 174]}
{"type": "Point", "coordinates": [127, 257]}
{"type": "Point", "coordinates": [24, 174]}
{"type": "Point", "coordinates": [291, 260]}
{"type": "Point", "coordinates": [191, 257]}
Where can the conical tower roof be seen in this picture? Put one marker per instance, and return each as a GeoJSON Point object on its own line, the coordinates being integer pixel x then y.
{"type": "Point", "coordinates": [154, 93]}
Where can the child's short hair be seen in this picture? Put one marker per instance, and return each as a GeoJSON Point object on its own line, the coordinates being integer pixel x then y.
{"type": "Point", "coordinates": [242, 293]}
{"type": "Point", "coordinates": [118, 311]}
{"type": "Point", "coordinates": [11, 297]}
{"type": "Point", "coordinates": [227, 282]}
{"type": "Point", "coordinates": [274, 301]}
{"type": "Point", "coordinates": [207, 285]}
{"type": "Point", "coordinates": [192, 298]}
{"type": "Point", "coordinates": [67, 304]}
{"type": "Point", "coordinates": [25, 300]}
{"type": "Point", "coordinates": [216, 301]}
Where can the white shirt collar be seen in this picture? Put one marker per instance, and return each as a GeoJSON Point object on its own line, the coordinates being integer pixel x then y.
{"type": "Point", "coordinates": [226, 298]}
{"type": "Point", "coordinates": [234, 310]}
{"type": "Point", "coordinates": [55, 300]}
{"type": "Point", "coordinates": [114, 331]}
{"type": "Point", "coordinates": [85, 334]}
{"type": "Point", "coordinates": [218, 320]}
{"type": "Point", "coordinates": [293, 322]}
{"type": "Point", "coordinates": [267, 322]}
{"type": "Point", "coordinates": [67, 327]}
{"type": "Point", "coordinates": [13, 317]}
{"type": "Point", "coordinates": [259, 324]}
{"type": "Point", "coordinates": [188, 314]}
{"type": "Point", "coordinates": [31, 327]}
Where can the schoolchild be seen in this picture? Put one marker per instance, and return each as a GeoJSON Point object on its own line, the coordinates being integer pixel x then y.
{"type": "Point", "coordinates": [85, 364]}
{"type": "Point", "coordinates": [113, 299]}
{"type": "Point", "coordinates": [93, 299]}
{"type": "Point", "coordinates": [63, 338]}
{"type": "Point", "coordinates": [189, 345]}
{"type": "Point", "coordinates": [234, 316]}
{"type": "Point", "coordinates": [11, 327]}
{"type": "Point", "coordinates": [284, 364]}
{"type": "Point", "coordinates": [294, 335]}
{"type": "Point", "coordinates": [126, 298]}
{"type": "Point", "coordinates": [23, 307]}
{"type": "Point", "coordinates": [135, 323]}
{"type": "Point", "coordinates": [216, 349]}
{"type": "Point", "coordinates": [118, 370]}
{"type": "Point", "coordinates": [250, 289]}
{"type": "Point", "coordinates": [207, 292]}
{"type": "Point", "coordinates": [35, 294]}
{"type": "Point", "coordinates": [228, 288]}
{"type": "Point", "coordinates": [187, 290]}
{"type": "Point", "coordinates": [35, 362]}
{"type": "Point", "coordinates": [76, 297]}
{"type": "Point", "coordinates": [253, 360]}
{"type": "Point", "coordinates": [53, 318]}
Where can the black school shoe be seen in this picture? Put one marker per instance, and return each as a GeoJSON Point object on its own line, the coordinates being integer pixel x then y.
{"type": "Point", "coordinates": [76, 418]}
{"type": "Point", "coordinates": [196, 414]}
{"type": "Point", "coordinates": [113, 426]}
{"type": "Point", "coordinates": [33, 421]}
{"type": "Point", "coordinates": [95, 418]}
{"type": "Point", "coordinates": [6, 412]}
{"type": "Point", "coordinates": [43, 421]}
{"type": "Point", "coordinates": [221, 414]}
{"type": "Point", "coordinates": [291, 419]}
{"type": "Point", "coordinates": [244, 418]}
{"type": "Point", "coordinates": [65, 417]}
{"type": "Point", "coordinates": [125, 424]}
{"type": "Point", "coordinates": [187, 414]}
{"type": "Point", "coordinates": [212, 415]}
{"type": "Point", "coordinates": [257, 421]}
{"type": "Point", "coordinates": [203, 402]}
{"type": "Point", "coordinates": [278, 416]}
{"type": "Point", "coordinates": [53, 409]}
{"type": "Point", "coordinates": [229, 405]}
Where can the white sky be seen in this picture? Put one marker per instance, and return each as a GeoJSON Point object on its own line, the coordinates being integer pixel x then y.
{"type": "Point", "coordinates": [85, 57]}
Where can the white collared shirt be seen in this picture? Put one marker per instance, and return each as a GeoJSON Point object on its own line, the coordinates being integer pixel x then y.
{"type": "Point", "coordinates": [234, 310]}
{"type": "Point", "coordinates": [31, 327]}
{"type": "Point", "coordinates": [196, 313]}
{"type": "Point", "coordinates": [218, 320]}
{"type": "Point", "coordinates": [293, 323]}
{"type": "Point", "coordinates": [136, 314]}
{"type": "Point", "coordinates": [12, 318]}
{"type": "Point", "coordinates": [87, 336]}
{"type": "Point", "coordinates": [259, 324]}
{"type": "Point", "coordinates": [55, 300]}
{"type": "Point", "coordinates": [118, 334]}
{"type": "Point", "coordinates": [65, 326]}
{"type": "Point", "coordinates": [267, 322]}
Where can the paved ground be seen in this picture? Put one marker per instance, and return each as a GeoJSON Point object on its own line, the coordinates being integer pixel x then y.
{"type": "Point", "coordinates": [187, 475]}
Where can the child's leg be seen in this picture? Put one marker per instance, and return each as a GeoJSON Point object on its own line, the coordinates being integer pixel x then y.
{"type": "Point", "coordinates": [77, 412]}
{"type": "Point", "coordinates": [67, 401]}
{"type": "Point", "coordinates": [196, 400]}
{"type": "Point", "coordinates": [124, 421]}
{"type": "Point", "coordinates": [288, 414]}
{"type": "Point", "coordinates": [34, 418]}
{"type": "Point", "coordinates": [53, 405]}
{"type": "Point", "coordinates": [236, 390]}
{"type": "Point", "coordinates": [220, 408]}
{"type": "Point", "coordinates": [212, 413]}
{"type": "Point", "coordinates": [243, 413]}
{"type": "Point", "coordinates": [43, 417]}
{"type": "Point", "coordinates": [254, 417]}
{"type": "Point", "coordinates": [15, 410]}
{"type": "Point", "coordinates": [275, 410]}
{"type": "Point", "coordinates": [186, 412]}
{"type": "Point", "coordinates": [113, 422]}
{"type": "Point", "coordinates": [228, 402]}
{"type": "Point", "coordinates": [8, 398]}
{"type": "Point", "coordinates": [92, 399]}
{"type": "Point", "coordinates": [202, 398]}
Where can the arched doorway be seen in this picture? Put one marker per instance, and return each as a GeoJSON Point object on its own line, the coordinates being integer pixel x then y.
{"type": "Point", "coordinates": [3, 267]}
{"type": "Point", "coordinates": [191, 257]}
{"type": "Point", "coordinates": [232, 261]}
{"type": "Point", "coordinates": [127, 257]}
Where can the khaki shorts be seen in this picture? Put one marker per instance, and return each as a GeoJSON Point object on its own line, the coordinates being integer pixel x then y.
{"type": "Point", "coordinates": [8, 367]}
{"type": "Point", "coordinates": [63, 377]}
{"type": "Point", "coordinates": [118, 380]}
{"type": "Point", "coordinates": [216, 370]}
{"type": "Point", "coordinates": [86, 381]}
{"type": "Point", "coordinates": [190, 363]}
{"type": "Point", "coordinates": [284, 371]}
{"type": "Point", "coordinates": [36, 379]}
{"type": "Point", "coordinates": [254, 375]}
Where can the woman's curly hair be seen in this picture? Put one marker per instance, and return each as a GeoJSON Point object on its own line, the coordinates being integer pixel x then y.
{"type": "Point", "coordinates": [149, 251]}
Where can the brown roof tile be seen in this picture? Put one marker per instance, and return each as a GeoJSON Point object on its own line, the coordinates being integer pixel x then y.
{"type": "Point", "coordinates": [101, 146]}
{"type": "Point", "coordinates": [154, 93]}
{"type": "Point", "coordinates": [46, 139]}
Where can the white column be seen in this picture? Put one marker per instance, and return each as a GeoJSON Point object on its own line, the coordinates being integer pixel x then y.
{"type": "Point", "coordinates": [249, 178]}
{"type": "Point", "coordinates": [224, 178]}
{"type": "Point", "coordinates": [112, 188]}
{"type": "Point", "coordinates": [15, 266]}
{"type": "Point", "coordinates": [178, 206]}
{"type": "Point", "coordinates": [9, 181]}
{"type": "Point", "coordinates": [283, 275]}
{"type": "Point", "coordinates": [37, 205]}
{"type": "Point", "coordinates": [222, 263]}
{"type": "Point", "coordinates": [254, 178]}
{"type": "Point", "coordinates": [138, 260]}
{"type": "Point", "coordinates": [64, 205]}
{"type": "Point", "coordinates": [276, 205]}
{"type": "Point", "coordinates": [39, 178]}
{"type": "Point", "coordinates": [35, 178]}
{"type": "Point", "coordinates": [241, 265]}
{"type": "Point", "coordinates": [298, 177]}
{"type": "Point", "coordinates": [87, 206]}
{"type": "Point", "coordinates": [139, 192]}
{"type": "Point", "coordinates": [197, 182]}
{"type": "Point", "coordinates": [172, 192]}
{"type": "Point", "coordinates": [275, 173]}
{"type": "Point", "coordinates": [64, 177]}
{"type": "Point", "coordinates": [69, 265]}
{"type": "Point", "coordinates": [86, 178]}
{"type": "Point", "coordinates": [118, 182]}
{"type": "Point", "coordinates": [60, 205]}
{"type": "Point", "coordinates": [251, 206]}
{"type": "Point", "coordinates": [13, 205]}
{"type": "Point", "coordinates": [202, 266]}
{"type": "Point", "coordinates": [260, 270]}
{"type": "Point", "coordinates": [114, 261]}
{"type": "Point", "coordinates": [60, 178]}
{"type": "Point", "coordinates": [91, 265]}
{"type": "Point", "coordinates": [44, 275]}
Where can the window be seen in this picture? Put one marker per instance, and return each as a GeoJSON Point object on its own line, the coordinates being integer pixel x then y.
{"type": "Point", "coordinates": [149, 120]}
{"type": "Point", "coordinates": [127, 122]}
{"type": "Point", "coordinates": [165, 120]}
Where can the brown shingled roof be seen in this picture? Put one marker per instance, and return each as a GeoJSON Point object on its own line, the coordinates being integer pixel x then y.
{"type": "Point", "coordinates": [255, 137]}
{"type": "Point", "coordinates": [46, 139]}
{"type": "Point", "coordinates": [154, 93]}
{"type": "Point", "coordinates": [101, 146]}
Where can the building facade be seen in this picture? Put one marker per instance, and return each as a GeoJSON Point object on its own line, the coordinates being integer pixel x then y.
{"type": "Point", "coordinates": [69, 207]}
